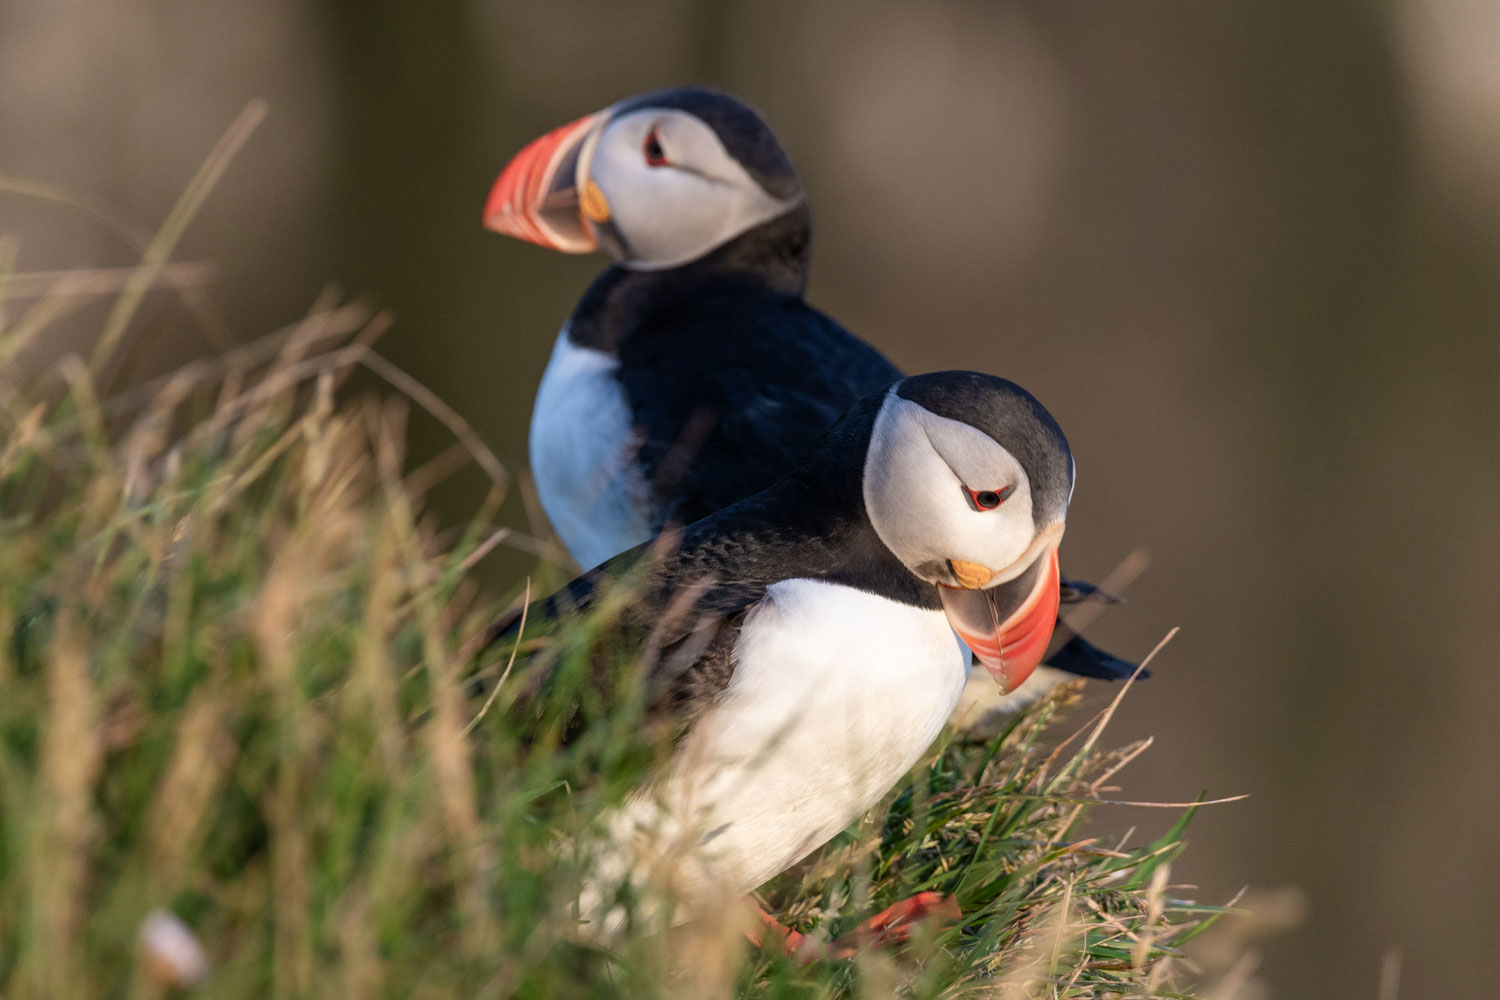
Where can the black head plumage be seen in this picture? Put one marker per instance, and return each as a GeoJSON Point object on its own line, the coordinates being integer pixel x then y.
{"type": "Point", "coordinates": [741, 129]}
{"type": "Point", "coordinates": [1009, 414]}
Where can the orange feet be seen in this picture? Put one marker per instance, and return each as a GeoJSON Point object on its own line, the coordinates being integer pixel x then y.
{"type": "Point", "coordinates": [794, 943]}
{"type": "Point", "coordinates": [897, 921]}
{"type": "Point", "coordinates": [893, 924]}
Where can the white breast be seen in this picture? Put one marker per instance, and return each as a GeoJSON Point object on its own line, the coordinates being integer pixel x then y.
{"type": "Point", "coordinates": [582, 455]}
{"type": "Point", "coordinates": [836, 694]}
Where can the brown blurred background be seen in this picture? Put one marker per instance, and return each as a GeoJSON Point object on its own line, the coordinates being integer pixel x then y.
{"type": "Point", "coordinates": [1248, 253]}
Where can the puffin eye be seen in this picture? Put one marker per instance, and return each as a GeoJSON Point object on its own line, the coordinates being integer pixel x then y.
{"type": "Point", "coordinates": [987, 499]}
{"type": "Point", "coordinates": [655, 157]}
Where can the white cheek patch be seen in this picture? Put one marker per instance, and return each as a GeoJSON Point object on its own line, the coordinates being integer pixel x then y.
{"type": "Point", "coordinates": [915, 471]}
{"type": "Point", "coordinates": [670, 215]}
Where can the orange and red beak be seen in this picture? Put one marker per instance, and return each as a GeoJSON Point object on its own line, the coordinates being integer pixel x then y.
{"type": "Point", "coordinates": [537, 196]}
{"type": "Point", "coordinates": [1008, 626]}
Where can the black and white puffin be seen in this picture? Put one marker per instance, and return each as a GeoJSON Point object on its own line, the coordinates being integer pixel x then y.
{"type": "Point", "coordinates": [692, 373]}
{"type": "Point", "coordinates": [804, 636]}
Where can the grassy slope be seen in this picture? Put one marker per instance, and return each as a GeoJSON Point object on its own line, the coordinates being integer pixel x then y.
{"type": "Point", "coordinates": [230, 688]}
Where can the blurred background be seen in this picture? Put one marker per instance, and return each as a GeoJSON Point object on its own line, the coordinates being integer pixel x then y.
{"type": "Point", "coordinates": [1249, 255]}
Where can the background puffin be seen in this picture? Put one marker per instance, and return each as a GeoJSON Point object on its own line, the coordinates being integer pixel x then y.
{"type": "Point", "coordinates": [692, 373]}
{"type": "Point", "coordinates": [804, 636]}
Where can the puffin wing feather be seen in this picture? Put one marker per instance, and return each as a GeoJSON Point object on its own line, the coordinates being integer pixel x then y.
{"type": "Point", "coordinates": [682, 613]}
{"type": "Point", "coordinates": [722, 417]}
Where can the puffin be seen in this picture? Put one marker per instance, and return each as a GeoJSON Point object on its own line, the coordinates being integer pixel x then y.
{"type": "Point", "coordinates": [693, 373]}
{"type": "Point", "coordinates": [801, 642]}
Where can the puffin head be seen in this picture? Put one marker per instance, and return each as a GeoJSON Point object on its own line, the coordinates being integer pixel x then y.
{"type": "Point", "coordinates": [967, 481]}
{"type": "Point", "coordinates": [656, 180]}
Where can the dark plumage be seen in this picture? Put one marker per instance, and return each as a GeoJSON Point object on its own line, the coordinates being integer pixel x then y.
{"type": "Point", "coordinates": [744, 133]}
{"type": "Point", "coordinates": [731, 377]}
{"type": "Point", "coordinates": [689, 591]}
{"type": "Point", "coordinates": [793, 648]}
{"type": "Point", "coordinates": [695, 585]}
{"type": "Point", "coordinates": [728, 377]}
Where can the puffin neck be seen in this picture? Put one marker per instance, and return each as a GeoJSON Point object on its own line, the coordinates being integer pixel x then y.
{"type": "Point", "coordinates": [769, 260]}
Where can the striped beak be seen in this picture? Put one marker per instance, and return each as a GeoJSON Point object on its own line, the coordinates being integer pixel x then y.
{"type": "Point", "coordinates": [537, 196]}
{"type": "Point", "coordinates": [1009, 625]}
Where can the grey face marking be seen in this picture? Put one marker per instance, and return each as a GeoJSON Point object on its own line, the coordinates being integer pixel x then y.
{"type": "Point", "coordinates": [922, 474]}
{"type": "Point", "coordinates": [678, 200]}
{"type": "Point", "coordinates": [1009, 414]}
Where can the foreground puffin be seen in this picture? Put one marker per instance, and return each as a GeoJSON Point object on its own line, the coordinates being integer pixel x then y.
{"type": "Point", "coordinates": [801, 640]}
{"type": "Point", "coordinates": [692, 373]}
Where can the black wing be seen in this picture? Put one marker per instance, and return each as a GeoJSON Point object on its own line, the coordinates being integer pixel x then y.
{"type": "Point", "coordinates": [1081, 592]}
{"type": "Point", "coordinates": [1072, 652]}
{"type": "Point", "coordinates": [674, 614]}
{"type": "Point", "coordinates": [1075, 654]}
{"type": "Point", "coordinates": [729, 395]}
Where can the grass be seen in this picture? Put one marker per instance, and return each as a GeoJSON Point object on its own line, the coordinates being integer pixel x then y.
{"type": "Point", "coordinates": [233, 647]}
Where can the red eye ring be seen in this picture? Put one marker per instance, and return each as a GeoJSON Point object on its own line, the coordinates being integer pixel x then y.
{"type": "Point", "coordinates": [987, 499]}
{"type": "Point", "coordinates": [655, 155]}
